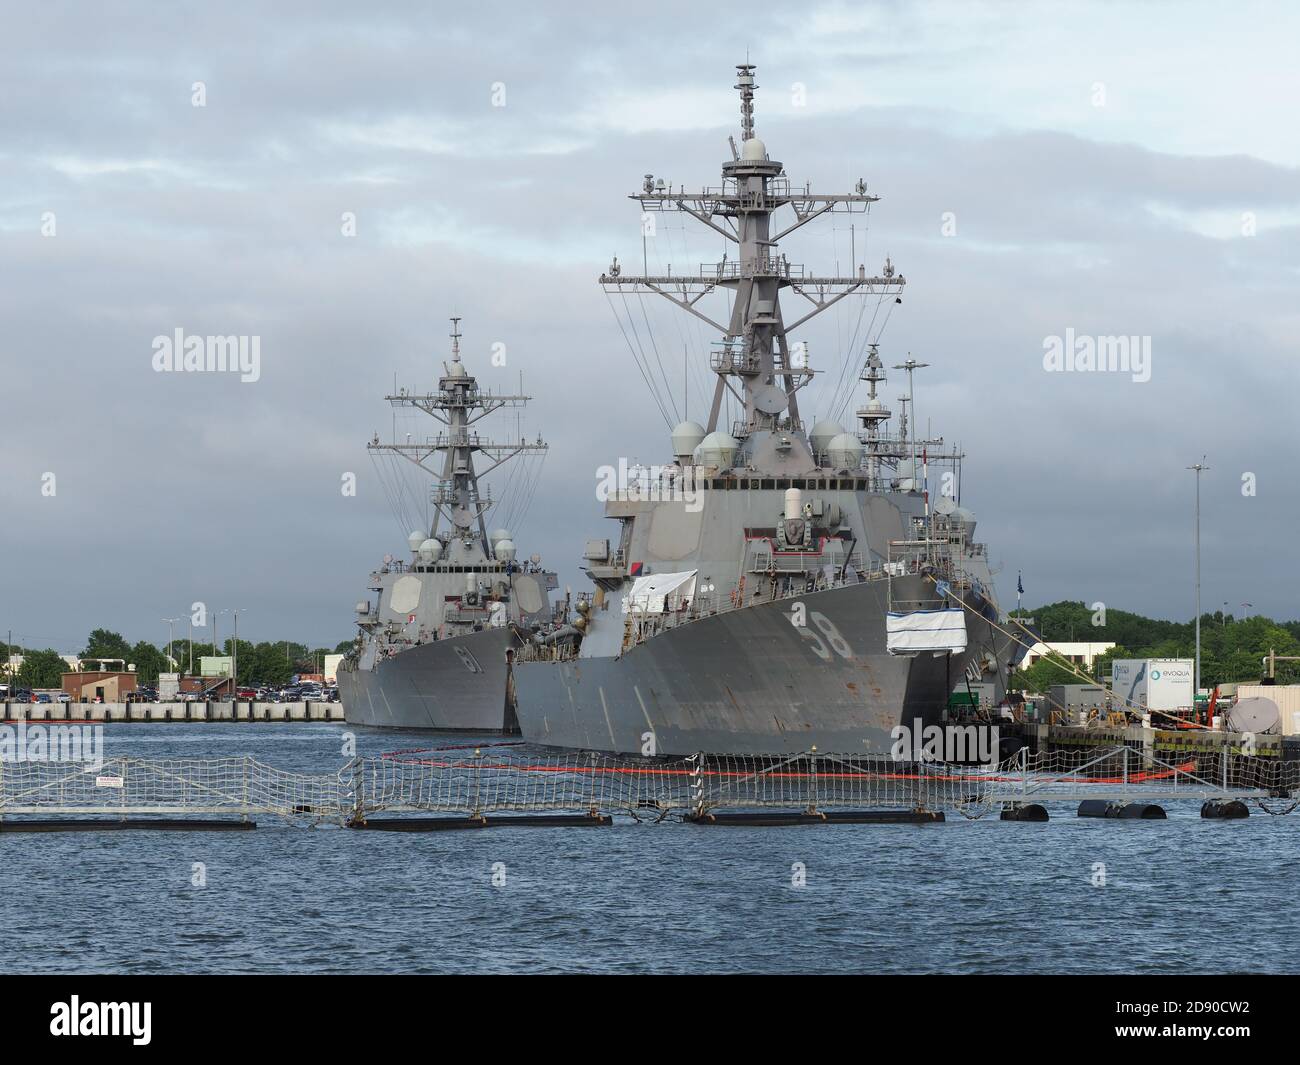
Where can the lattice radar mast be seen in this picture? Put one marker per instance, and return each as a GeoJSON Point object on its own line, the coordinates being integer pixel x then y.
{"type": "Point", "coordinates": [755, 359]}
{"type": "Point", "coordinates": [459, 403]}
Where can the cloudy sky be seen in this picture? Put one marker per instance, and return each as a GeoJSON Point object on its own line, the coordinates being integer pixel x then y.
{"type": "Point", "coordinates": [1111, 169]}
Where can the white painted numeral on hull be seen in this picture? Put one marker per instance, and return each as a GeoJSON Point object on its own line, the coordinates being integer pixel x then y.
{"type": "Point", "coordinates": [832, 636]}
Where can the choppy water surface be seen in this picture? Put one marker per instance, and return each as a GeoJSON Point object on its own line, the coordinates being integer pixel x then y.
{"type": "Point", "coordinates": [1181, 896]}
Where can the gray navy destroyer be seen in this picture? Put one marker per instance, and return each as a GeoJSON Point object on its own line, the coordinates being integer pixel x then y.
{"type": "Point", "coordinates": [432, 642]}
{"type": "Point", "coordinates": [775, 587]}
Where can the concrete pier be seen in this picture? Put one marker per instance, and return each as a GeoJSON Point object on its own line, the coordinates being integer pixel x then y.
{"type": "Point", "coordinates": [1168, 744]}
{"type": "Point", "coordinates": [170, 712]}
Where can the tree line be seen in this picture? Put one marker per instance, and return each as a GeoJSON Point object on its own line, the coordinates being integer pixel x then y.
{"type": "Point", "coordinates": [269, 662]}
{"type": "Point", "coordinates": [1232, 649]}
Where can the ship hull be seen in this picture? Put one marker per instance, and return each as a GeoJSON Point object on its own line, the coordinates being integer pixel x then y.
{"type": "Point", "coordinates": [458, 684]}
{"type": "Point", "coordinates": [746, 682]}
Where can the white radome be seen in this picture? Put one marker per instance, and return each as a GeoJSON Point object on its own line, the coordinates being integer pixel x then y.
{"type": "Point", "coordinates": [845, 452]}
{"type": "Point", "coordinates": [717, 449]}
{"type": "Point", "coordinates": [687, 436]}
{"type": "Point", "coordinates": [823, 432]}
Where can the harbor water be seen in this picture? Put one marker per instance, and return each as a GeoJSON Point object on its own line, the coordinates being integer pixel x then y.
{"type": "Point", "coordinates": [968, 896]}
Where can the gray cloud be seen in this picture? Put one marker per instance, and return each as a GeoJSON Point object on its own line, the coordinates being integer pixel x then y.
{"type": "Point", "coordinates": [174, 488]}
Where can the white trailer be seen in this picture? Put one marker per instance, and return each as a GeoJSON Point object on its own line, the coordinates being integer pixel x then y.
{"type": "Point", "coordinates": [1153, 683]}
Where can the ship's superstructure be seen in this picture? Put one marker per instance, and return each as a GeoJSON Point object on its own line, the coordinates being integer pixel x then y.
{"type": "Point", "coordinates": [432, 642]}
{"type": "Point", "coordinates": [777, 586]}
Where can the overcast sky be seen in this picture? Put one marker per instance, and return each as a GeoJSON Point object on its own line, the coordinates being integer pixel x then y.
{"type": "Point", "coordinates": [1111, 169]}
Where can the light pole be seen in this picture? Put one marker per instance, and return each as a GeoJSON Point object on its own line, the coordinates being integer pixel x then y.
{"type": "Point", "coordinates": [234, 651]}
{"type": "Point", "coordinates": [1199, 468]}
{"type": "Point", "coordinates": [171, 622]}
{"type": "Point", "coordinates": [216, 648]}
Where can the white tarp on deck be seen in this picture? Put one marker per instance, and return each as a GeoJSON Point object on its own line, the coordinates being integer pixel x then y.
{"type": "Point", "coordinates": [649, 594]}
{"type": "Point", "coordinates": [926, 630]}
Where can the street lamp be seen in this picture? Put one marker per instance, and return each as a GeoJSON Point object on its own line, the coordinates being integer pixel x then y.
{"type": "Point", "coordinates": [171, 622]}
{"type": "Point", "coordinates": [234, 651]}
{"type": "Point", "coordinates": [1199, 467]}
{"type": "Point", "coordinates": [216, 647]}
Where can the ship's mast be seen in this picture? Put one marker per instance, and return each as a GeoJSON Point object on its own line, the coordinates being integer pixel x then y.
{"type": "Point", "coordinates": [458, 404]}
{"type": "Point", "coordinates": [755, 352]}
{"type": "Point", "coordinates": [874, 415]}
{"type": "Point", "coordinates": [911, 366]}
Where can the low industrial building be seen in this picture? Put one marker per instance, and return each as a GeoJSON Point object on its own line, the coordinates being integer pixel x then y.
{"type": "Point", "coordinates": [103, 686]}
{"type": "Point", "coordinates": [1081, 654]}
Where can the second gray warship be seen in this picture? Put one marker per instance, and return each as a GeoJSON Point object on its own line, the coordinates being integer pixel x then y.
{"type": "Point", "coordinates": [431, 648]}
{"type": "Point", "coordinates": [774, 588]}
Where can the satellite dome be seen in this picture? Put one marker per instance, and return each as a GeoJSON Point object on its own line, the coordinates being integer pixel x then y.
{"type": "Point", "coordinates": [497, 535]}
{"type": "Point", "coordinates": [1257, 714]}
{"type": "Point", "coordinates": [717, 449]}
{"type": "Point", "coordinates": [753, 150]}
{"type": "Point", "coordinates": [430, 550]}
{"type": "Point", "coordinates": [845, 452]}
{"type": "Point", "coordinates": [823, 432]}
{"type": "Point", "coordinates": [455, 368]}
{"type": "Point", "coordinates": [687, 436]}
{"type": "Point", "coordinates": [504, 550]}
{"type": "Point", "coordinates": [415, 540]}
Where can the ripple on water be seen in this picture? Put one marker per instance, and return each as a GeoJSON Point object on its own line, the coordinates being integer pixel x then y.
{"type": "Point", "coordinates": [967, 896]}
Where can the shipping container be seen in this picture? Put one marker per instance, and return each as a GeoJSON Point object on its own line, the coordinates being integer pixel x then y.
{"type": "Point", "coordinates": [1076, 697]}
{"type": "Point", "coordinates": [1153, 683]}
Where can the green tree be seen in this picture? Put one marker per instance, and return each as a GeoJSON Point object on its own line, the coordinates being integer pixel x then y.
{"type": "Point", "coordinates": [1231, 649]}
{"type": "Point", "coordinates": [10, 649]}
{"type": "Point", "coordinates": [264, 663]}
{"type": "Point", "coordinates": [149, 661]}
{"type": "Point", "coordinates": [42, 669]}
{"type": "Point", "coordinates": [104, 643]}
{"type": "Point", "coordinates": [1048, 670]}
